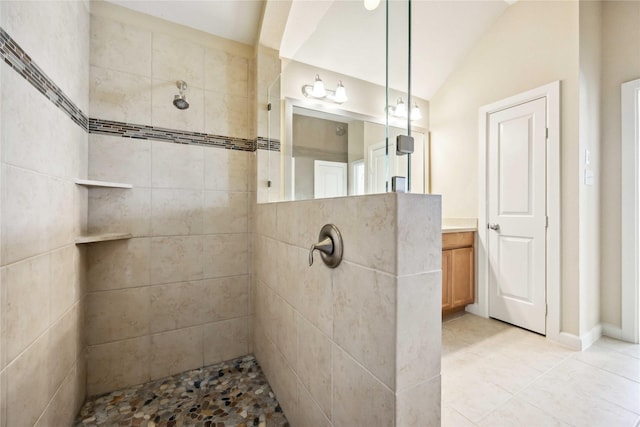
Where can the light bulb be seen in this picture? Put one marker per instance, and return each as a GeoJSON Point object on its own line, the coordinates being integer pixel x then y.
{"type": "Point", "coordinates": [318, 88]}
{"type": "Point", "coordinates": [416, 114]}
{"type": "Point", "coordinates": [400, 110]}
{"type": "Point", "coordinates": [341, 94]}
{"type": "Point", "coordinates": [371, 4]}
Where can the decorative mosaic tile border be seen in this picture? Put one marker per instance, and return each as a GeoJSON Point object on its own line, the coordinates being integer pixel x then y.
{"type": "Point", "coordinates": [130, 130]}
{"type": "Point", "coordinates": [267, 144]}
{"type": "Point", "coordinates": [22, 63]}
{"type": "Point", "coordinates": [18, 59]}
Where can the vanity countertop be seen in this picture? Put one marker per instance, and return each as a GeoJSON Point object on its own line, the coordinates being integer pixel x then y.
{"type": "Point", "coordinates": [457, 229]}
{"type": "Point", "coordinates": [459, 225]}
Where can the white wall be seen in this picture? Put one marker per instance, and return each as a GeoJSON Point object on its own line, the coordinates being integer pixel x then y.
{"type": "Point", "coordinates": [531, 44]}
{"type": "Point", "coordinates": [620, 63]}
{"type": "Point", "coordinates": [589, 139]}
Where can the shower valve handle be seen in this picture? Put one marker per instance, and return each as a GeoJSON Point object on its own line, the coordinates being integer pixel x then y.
{"type": "Point", "coordinates": [324, 246]}
{"type": "Point", "coordinates": [330, 246]}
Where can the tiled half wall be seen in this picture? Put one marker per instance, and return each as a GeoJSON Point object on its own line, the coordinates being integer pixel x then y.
{"type": "Point", "coordinates": [358, 344]}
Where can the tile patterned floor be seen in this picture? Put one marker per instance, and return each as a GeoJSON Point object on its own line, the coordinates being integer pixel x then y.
{"type": "Point", "coordinates": [494, 374]}
{"type": "Point", "coordinates": [233, 393]}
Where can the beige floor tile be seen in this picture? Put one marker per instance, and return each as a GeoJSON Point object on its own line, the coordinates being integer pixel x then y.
{"type": "Point", "coordinates": [518, 413]}
{"type": "Point", "coordinates": [453, 418]}
{"type": "Point", "coordinates": [602, 357]}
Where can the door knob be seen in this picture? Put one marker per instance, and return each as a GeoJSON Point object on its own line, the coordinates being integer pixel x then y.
{"type": "Point", "coordinates": [495, 227]}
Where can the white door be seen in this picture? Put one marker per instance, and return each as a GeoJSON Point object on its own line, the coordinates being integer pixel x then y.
{"type": "Point", "coordinates": [378, 168]}
{"type": "Point", "coordinates": [329, 179]}
{"type": "Point", "coordinates": [517, 215]}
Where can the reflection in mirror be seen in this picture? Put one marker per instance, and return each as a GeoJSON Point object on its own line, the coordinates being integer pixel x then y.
{"type": "Point", "coordinates": [340, 153]}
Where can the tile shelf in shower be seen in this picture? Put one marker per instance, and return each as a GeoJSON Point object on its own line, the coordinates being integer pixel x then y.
{"type": "Point", "coordinates": [106, 184]}
{"type": "Point", "coordinates": [104, 237]}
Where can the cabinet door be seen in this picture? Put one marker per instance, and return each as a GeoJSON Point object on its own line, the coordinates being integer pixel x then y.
{"type": "Point", "coordinates": [446, 280]}
{"type": "Point", "coordinates": [461, 276]}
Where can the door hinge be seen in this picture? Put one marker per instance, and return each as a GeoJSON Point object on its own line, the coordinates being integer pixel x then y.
{"type": "Point", "coordinates": [269, 107]}
{"type": "Point", "coordinates": [546, 132]}
{"type": "Point", "coordinates": [546, 309]}
{"type": "Point", "coordinates": [546, 222]}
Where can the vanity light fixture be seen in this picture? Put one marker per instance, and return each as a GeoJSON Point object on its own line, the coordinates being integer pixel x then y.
{"type": "Point", "coordinates": [400, 110]}
{"type": "Point", "coordinates": [372, 4]}
{"type": "Point", "coordinates": [318, 91]}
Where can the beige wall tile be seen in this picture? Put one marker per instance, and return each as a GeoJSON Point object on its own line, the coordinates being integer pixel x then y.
{"type": "Point", "coordinates": [176, 165]}
{"type": "Point", "coordinates": [225, 212]}
{"type": "Point", "coordinates": [314, 363]}
{"type": "Point", "coordinates": [63, 217]}
{"type": "Point", "coordinates": [176, 259]}
{"type": "Point", "coordinates": [266, 220]}
{"type": "Point", "coordinates": [226, 340]}
{"type": "Point", "coordinates": [225, 170]}
{"type": "Point", "coordinates": [116, 159]}
{"type": "Point", "coordinates": [176, 351]}
{"type": "Point", "coordinates": [176, 59]}
{"type": "Point", "coordinates": [118, 264]}
{"type": "Point", "coordinates": [419, 405]}
{"type": "Point", "coordinates": [117, 365]}
{"type": "Point", "coordinates": [176, 212]}
{"type": "Point", "coordinates": [226, 73]}
{"type": "Point", "coordinates": [65, 346]}
{"type": "Point", "coordinates": [120, 210]}
{"type": "Point", "coordinates": [359, 399]}
{"type": "Point", "coordinates": [119, 96]}
{"type": "Point", "coordinates": [226, 114]}
{"type": "Point", "coordinates": [166, 115]}
{"type": "Point", "coordinates": [28, 384]}
{"type": "Point", "coordinates": [180, 305]}
{"type": "Point", "coordinates": [117, 315]}
{"type": "Point", "coordinates": [59, 44]}
{"type": "Point", "coordinates": [367, 225]}
{"type": "Point", "coordinates": [419, 234]}
{"type": "Point", "coordinates": [316, 294]}
{"type": "Point", "coordinates": [284, 383]}
{"type": "Point", "coordinates": [62, 408]}
{"type": "Point", "coordinates": [66, 279]}
{"type": "Point", "coordinates": [289, 271]}
{"type": "Point", "coordinates": [309, 413]}
{"type": "Point", "coordinates": [25, 209]}
{"type": "Point", "coordinates": [226, 255]}
{"type": "Point", "coordinates": [364, 310]}
{"type": "Point", "coordinates": [285, 330]}
{"type": "Point", "coordinates": [23, 137]}
{"type": "Point", "coordinates": [419, 326]}
{"type": "Point", "coordinates": [26, 307]}
{"type": "Point", "coordinates": [119, 46]}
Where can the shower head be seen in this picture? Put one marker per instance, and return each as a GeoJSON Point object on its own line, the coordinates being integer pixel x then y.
{"type": "Point", "coordinates": [180, 101]}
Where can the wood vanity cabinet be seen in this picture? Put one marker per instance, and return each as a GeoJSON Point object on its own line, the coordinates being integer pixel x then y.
{"type": "Point", "coordinates": [457, 271]}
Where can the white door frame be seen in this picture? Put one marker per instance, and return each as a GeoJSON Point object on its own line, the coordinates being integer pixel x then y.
{"type": "Point", "coordinates": [551, 92]}
{"type": "Point", "coordinates": [630, 212]}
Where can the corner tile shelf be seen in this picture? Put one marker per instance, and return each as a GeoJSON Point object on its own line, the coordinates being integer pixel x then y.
{"type": "Point", "coordinates": [105, 237]}
{"type": "Point", "coordinates": [92, 183]}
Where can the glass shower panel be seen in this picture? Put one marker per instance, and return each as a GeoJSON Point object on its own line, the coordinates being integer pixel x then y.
{"type": "Point", "coordinates": [399, 96]}
{"type": "Point", "coordinates": [273, 158]}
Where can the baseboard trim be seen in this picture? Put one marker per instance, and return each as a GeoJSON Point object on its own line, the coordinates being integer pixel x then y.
{"type": "Point", "coordinates": [590, 337]}
{"type": "Point", "coordinates": [612, 331]}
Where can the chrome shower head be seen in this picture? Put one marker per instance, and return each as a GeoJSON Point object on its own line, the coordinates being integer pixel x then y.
{"type": "Point", "coordinates": [180, 101]}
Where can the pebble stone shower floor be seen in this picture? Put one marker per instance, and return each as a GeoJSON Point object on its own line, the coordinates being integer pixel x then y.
{"type": "Point", "coordinates": [233, 393]}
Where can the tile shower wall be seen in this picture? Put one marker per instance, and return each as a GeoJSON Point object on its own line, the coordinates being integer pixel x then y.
{"type": "Point", "coordinates": [358, 345]}
{"type": "Point", "coordinates": [176, 295]}
{"type": "Point", "coordinates": [42, 364]}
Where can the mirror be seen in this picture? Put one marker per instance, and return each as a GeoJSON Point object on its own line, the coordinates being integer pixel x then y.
{"type": "Point", "coordinates": [341, 153]}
